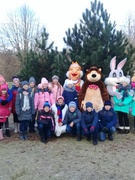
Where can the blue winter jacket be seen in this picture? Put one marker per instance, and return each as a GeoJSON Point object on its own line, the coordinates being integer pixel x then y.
{"type": "Point", "coordinates": [107, 118]}
{"type": "Point", "coordinates": [89, 119]}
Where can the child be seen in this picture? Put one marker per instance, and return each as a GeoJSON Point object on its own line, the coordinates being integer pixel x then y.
{"type": "Point", "coordinates": [24, 108]}
{"type": "Point", "coordinates": [73, 120]}
{"type": "Point", "coordinates": [45, 122]}
{"type": "Point", "coordinates": [43, 94]}
{"type": "Point", "coordinates": [4, 102]}
{"type": "Point", "coordinates": [122, 105]}
{"type": "Point", "coordinates": [132, 105]}
{"type": "Point", "coordinates": [59, 110]}
{"type": "Point", "coordinates": [70, 93]}
{"type": "Point", "coordinates": [15, 86]}
{"type": "Point", "coordinates": [56, 88]}
{"type": "Point", "coordinates": [107, 121]}
{"type": "Point", "coordinates": [4, 110]}
{"type": "Point", "coordinates": [89, 123]}
{"type": "Point", "coordinates": [32, 85]}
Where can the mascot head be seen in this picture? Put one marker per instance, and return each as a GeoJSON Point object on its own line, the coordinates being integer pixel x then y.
{"type": "Point", "coordinates": [74, 72]}
{"type": "Point", "coordinates": [94, 74]}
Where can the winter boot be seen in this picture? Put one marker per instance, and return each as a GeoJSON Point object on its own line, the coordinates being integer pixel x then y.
{"type": "Point", "coordinates": [8, 133]}
{"type": "Point", "coordinates": [25, 136]}
{"type": "Point", "coordinates": [78, 137]}
{"type": "Point", "coordinates": [16, 127]}
{"type": "Point", "coordinates": [1, 134]}
{"type": "Point", "coordinates": [110, 137]}
{"type": "Point", "coordinates": [21, 136]}
{"type": "Point", "coordinates": [95, 141]}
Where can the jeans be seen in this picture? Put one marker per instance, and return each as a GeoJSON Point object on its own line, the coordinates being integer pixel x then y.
{"type": "Point", "coordinates": [76, 129]}
{"type": "Point", "coordinates": [24, 125]}
{"type": "Point", "coordinates": [45, 132]}
{"type": "Point", "coordinates": [102, 135]}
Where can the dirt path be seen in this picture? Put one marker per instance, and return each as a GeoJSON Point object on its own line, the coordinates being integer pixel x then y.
{"type": "Point", "coordinates": [64, 158]}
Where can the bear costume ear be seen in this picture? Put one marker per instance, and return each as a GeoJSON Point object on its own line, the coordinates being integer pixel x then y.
{"type": "Point", "coordinates": [100, 69]}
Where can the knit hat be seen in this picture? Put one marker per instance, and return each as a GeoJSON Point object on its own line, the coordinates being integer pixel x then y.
{"type": "Point", "coordinates": [125, 79]}
{"type": "Point", "coordinates": [69, 82]}
{"type": "Point", "coordinates": [72, 104]}
{"type": "Point", "coordinates": [46, 104]}
{"type": "Point", "coordinates": [89, 104]}
{"type": "Point", "coordinates": [107, 103]}
{"type": "Point", "coordinates": [2, 78]}
{"type": "Point", "coordinates": [44, 80]}
{"type": "Point", "coordinates": [32, 79]}
{"type": "Point", "coordinates": [60, 97]}
{"type": "Point", "coordinates": [55, 77]}
{"type": "Point", "coordinates": [4, 87]}
{"type": "Point", "coordinates": [24, 83]}
{"type": "Point", "coordinates": [16, 79]}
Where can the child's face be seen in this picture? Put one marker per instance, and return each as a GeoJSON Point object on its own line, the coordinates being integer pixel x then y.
{"type": "Point", "coordinates": [16, 83]}
{"type": "Point", "coordinates": [45, 85]}
{"type": "Point", "coordinates": [32, 84]}
{"type": "Point", "coordinates": [72, 109]}
{"type": "Point", "coordinates": [46, 108]}
{"type": "Point", "coordinates": [124, 84]}
{"type": "Point", "coordinates": [60, 101]}
{"type": "Point", "coordinates": [89, 109]}
{"type": "Point", "coordinates": [70, 85]}
{"type": "Point", "coordinates": [4, 91]}
{"type": "Point", "coordinates": [107, 107]}
{"type": "Point", "coordinates": [55, 81]}
{"type": "Point", "coordinates": [26, 87]}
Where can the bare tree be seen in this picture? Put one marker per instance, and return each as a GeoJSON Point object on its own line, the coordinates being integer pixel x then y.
{"type": "Point", "coordinates": [128, 27]}
{"type": "Point", "coordinates": [19, 31]}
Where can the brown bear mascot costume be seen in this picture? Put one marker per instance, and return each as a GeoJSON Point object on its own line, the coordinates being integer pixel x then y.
{"type": "Point", "coordinates": [93, 90]}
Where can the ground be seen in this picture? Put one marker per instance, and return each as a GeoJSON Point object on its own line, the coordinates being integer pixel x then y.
{"type": "Point", "coordinates": [65, 158]}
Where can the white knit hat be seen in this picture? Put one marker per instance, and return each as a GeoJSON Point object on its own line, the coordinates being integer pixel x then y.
{"type": "Point", "coordinates": [69, 82]}
{"type": "Point", "coordinates": [125, 79]}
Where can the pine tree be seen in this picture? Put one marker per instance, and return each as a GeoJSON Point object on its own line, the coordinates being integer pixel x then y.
{"type": "Point", "coordinates": [95, 41]}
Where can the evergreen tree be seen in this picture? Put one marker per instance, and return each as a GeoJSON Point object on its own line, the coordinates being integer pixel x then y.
{"type": "Point", "coordinates": [95, 41]}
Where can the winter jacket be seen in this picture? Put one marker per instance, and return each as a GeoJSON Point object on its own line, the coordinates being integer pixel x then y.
{"type": "Point", "coordinates": [46, 118]}
{"type": "Point", "coordinates": [56, 91]}
{"type": "Point", "coordinates": [89, 119]}
{"type": "Point", "coordinates": [14, 93]}
{"type": "Point", "coordinates": [132, 104]}
{"type": "Point", "coordinates": [41, 97]}
{"type": "Point", "coordinates": [24, 114]}
{"type": "Point", "coordinates": [107, 118]}
{"type": "Point", "coordinates": [59, 129]}
{"type": "Point", "coordinates": [10, 96]}
{"type": "Point", "coordinates": [74, 117]}
{"type": "Point", "coordinates": [69, 95]}
{"type": "Point", "coordinates": [126, 103]}
{"type": "Point", "coordinates": [5, 110]}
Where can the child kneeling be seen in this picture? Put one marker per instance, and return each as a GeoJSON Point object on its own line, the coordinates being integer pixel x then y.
{"type": "Point", "coordinates": [89, 123]}
{"type": "Point", "coordinates": [107, 121]}
{"type": "Point", "coordinates": [45, 122]}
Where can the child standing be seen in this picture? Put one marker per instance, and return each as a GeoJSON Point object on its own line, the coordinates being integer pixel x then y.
{"type": "Point", "coordinates": [107, 121]}
{"type": "Point", "coordinates": [24, 108]}
{"type": "Point", "coordinates": [32, 86]}
{"type": "Point", "coordinates": [14, 90]}
{"type": "Point", "coordinates": [132, 105]}
{"type": "Point", "coordinates": [45, 122]}
{"type": "Point", "coordinates": [70, 93]}
{"type": "Point", "coordinates": [122, 105]}
{"type": "Point", "coordinates": [89, 123]}
{"type": "Point", "coordinates": [73, 120]}
{"type": "Point", "coordinates": [4, 110]}
{"type": "Point", "coordinates": [59, 110]}
{"type": "Point", "coordinates": [56, 87]}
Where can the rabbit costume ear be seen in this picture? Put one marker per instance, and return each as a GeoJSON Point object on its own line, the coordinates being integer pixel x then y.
{"type": "Point", "coordinates": [113, 63]}
{"type": "Point", "coordinates": [121, 63]}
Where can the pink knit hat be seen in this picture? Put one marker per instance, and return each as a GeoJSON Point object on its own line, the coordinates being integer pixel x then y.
{"type": "Point", "coordinates": [4, 87]}
{"type": "Point", "coordinates": [44, 80]}
{"type": "Point", "coordinates": [2, 78]}
{"type": "Point", "coordinates": [60, 97]}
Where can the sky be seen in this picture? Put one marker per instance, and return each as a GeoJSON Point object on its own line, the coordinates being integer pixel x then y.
{"type": "Point", "coordinates": [59, 15]}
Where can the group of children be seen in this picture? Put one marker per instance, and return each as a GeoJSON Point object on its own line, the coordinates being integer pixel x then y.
{"type": "Point", "coordinates": [53, 108]}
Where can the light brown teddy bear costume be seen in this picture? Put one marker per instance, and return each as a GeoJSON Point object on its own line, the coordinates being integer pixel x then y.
{"type": "Point", "coordinates": [93, 90]}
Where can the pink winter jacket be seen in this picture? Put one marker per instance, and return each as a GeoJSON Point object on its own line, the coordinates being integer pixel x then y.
{"type": "Point", "coordinates": [41, 97]}
{"type": "Point", "coordinates": [5, 110]}
{"type": "Point", "coordinates": [57, 91]}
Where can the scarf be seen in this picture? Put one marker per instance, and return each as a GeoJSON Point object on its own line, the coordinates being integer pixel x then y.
{"type": "Point", "coordinates": [26, 103]}
{"type": "Point", "coordinates": [59, 112]}
{"type": "Point", "coordinates": [125, 90]}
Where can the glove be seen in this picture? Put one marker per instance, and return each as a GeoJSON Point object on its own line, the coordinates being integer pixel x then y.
{"type": "Point", "coordinates": [92, 128]}
{"type": "Point", "coordinates": [86, 131]}
{"type": "Point", "coordinates": [120, 104]}
{"type": "Point", "coordinates": [4, 102]}
{"type": "Point", "coordinates": [105, 129]}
